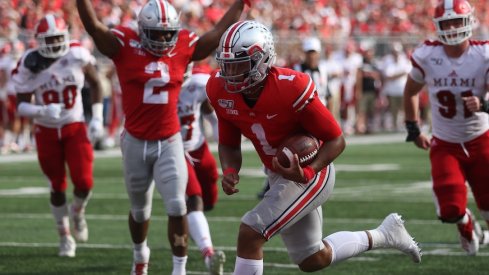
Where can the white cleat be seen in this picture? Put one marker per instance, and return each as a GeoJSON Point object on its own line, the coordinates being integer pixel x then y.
{"type": "Point", "coordinates": [470, 246]}
{"type": "Point", "coordinates": [484, 238]}
{"type": "Point", "coordinates": [396, 236]}
{"type": "Point", "coordinates": [141, 262]}
{"type": "Point", "coordinates": [67, 246]}
{"type": "Point", "coordinates": [80, 228]}
{"type": "Point", "coordinates": [216, 264]}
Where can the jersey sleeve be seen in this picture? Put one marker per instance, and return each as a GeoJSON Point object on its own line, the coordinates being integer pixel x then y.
{"type": "Point", "coordinates": [417, 72]}
{"type": "Point", "coordinates": [229, 134]}
{"type": "Point", "coordinates": [82, 54]}
{"type": "Point", "coordinates": [20, 77]}
{"type": "Point", "coordinates": [305, 88]}
{"type": "Point", "coordinates": [318, 121]}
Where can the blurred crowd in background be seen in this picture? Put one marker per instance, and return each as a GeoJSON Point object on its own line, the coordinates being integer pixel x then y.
{"type": "Point", "coordinates": [364, 47]}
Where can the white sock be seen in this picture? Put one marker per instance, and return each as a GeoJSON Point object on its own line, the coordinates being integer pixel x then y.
{"type": "Point", "coordinates": [345, 244]}
{"type": "Point", "coordinates": [200, 233]}
{"type": "Point", "coordinates": [78, 205]}
{"type": "Point", "coordinates": [60, 214]}
{"type": "Point", "coordinates": [140, 246]}
{"type": "Point", "coordinates": [378, 239]}
{"type": "Point", "coordinates": [247, 266]}
{"type": "Point", "coordinates": [179, 264]}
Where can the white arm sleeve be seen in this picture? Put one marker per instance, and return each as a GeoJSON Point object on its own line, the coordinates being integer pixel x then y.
{"type": "Point", "coordinates": [212, 118]}
{"type": "Point", "coordinates": [30, 110]}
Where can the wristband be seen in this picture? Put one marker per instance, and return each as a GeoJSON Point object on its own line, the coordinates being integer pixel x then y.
{"type": "Point", "coordinates": [412, 129]}
{"type": "Point", "coordinates": [229, 170]}
{"type": "Point", "coordinates": [484, 105]}
{"type": "Point", "coordinates": [309, 173]}
{"type": "Point", "coordinates": [247, 2]}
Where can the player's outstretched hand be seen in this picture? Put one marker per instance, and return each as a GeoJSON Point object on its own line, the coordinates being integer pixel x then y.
{"type": "Point", "coordinates": [293, 173]}
{"type": "Point", "coordinates": [229, 181]}
{"type": "Point", "coordinates": [53, 110]}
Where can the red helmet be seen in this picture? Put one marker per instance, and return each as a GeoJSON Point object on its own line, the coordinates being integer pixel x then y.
{"type": "Point", "coordinates": [454, 9]}
{"type": "Point", "coordinates": [52, 36]}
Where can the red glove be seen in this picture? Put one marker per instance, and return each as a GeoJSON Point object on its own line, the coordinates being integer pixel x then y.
{"type": "Point", "coordinates": [247, 2]}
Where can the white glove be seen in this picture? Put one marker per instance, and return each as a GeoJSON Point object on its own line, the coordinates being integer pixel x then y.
{"type": "Point", "coordinates": [53, 110]}
{"type": "Point", "coordinates": [95, 129]}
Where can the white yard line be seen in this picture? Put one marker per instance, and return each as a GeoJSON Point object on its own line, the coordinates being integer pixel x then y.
{"type": "Point", "coordinates": [438, 249]}
{"type": "Point", "coordinates": [245, 146]}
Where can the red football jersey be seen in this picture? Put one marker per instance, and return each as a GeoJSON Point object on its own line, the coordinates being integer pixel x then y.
{"type": "Point", "coordinates": [288, 104]}
{"type": "Point", "coordinates": [150, 84]}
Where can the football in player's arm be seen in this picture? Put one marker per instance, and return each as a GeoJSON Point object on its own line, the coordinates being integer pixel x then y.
{"type": "Point", "coordinates": [267, 104]}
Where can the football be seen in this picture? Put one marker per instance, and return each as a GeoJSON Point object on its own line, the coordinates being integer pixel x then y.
{"type": "Point", "coordinates": [305, 146]}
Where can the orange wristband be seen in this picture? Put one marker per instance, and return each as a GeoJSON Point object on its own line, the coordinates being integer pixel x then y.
{"type": "Point", "coordinates": [229, 170]}
{"type": "Point", "coordinates": [308, 173]}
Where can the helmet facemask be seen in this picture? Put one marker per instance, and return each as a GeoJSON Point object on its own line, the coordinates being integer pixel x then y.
{"type": "Point", "coordinates": [53, 45]}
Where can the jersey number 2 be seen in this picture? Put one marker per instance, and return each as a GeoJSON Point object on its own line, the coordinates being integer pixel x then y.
{"type": "Point", "coordinates": [154, 89]}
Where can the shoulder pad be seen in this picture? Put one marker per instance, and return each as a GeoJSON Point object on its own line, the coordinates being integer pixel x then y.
{"type": "Point", "coordinates": [36, 62]}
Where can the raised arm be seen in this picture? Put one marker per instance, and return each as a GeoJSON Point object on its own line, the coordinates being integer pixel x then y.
{"type": "Point", "coordinates": [210, 40]}
{"type": "Point", "coordinates": [103, 38]}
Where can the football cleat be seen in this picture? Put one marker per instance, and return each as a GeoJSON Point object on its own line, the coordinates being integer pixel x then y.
{"type": "Point", "coordinates": [470, 246]}
{"type": "Point", "coordinates": [67, 246]}
{"type": "Point", "coordinates": [396, 236]}
{"type": "Point", "coordinates": [216, 264]}
{"type": "Point", "coordinates": [469, 240]}
{"type": "Point", "coordinates": [141, 262]}
{"type": "Point", "coordinates": [80, 228]}
{"type": "Point", "coordinates": [484, 238]}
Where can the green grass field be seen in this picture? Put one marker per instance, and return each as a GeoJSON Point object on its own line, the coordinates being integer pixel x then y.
{"type": "Point", "coordinates": [372, 181]}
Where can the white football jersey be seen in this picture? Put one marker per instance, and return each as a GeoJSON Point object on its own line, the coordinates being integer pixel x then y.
{"type": "Point", "coordinates": [59, 83]}
{"type": "Point", "coordinates": [448, 81]}
{"type": "Point", "coordinates": [191, 98]}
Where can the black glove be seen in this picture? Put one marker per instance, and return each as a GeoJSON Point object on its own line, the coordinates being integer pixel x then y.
{"type": "Point", "coordinates": [484, 105]}
{"type": "Point", "coordinates": [413, 130]}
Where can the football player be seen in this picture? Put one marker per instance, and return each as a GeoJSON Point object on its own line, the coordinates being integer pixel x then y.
{"type": "Point", "coordinates": [151, 62]}
{"type": "Point", "coordinates": [54, 74]}
{"type": "Point", "coordinates": [455, 71]}
{"type": "Point", "coordinates": [193, 106]}
{"type": "Point", "coordinates": [267, 104]}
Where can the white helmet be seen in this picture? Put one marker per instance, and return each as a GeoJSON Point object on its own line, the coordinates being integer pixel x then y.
{"type": "Point", "coordinates": [158, 17]}
{"type": "Point", "coordinates": [48, 29]}
{"type": "Point", "coordinates": [245, 54]}
{"type": "Point", "coordinates": [454, 9]}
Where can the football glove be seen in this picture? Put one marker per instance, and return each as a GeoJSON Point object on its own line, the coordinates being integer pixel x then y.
{"type": "Point", "coordinates": [53, 110]}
